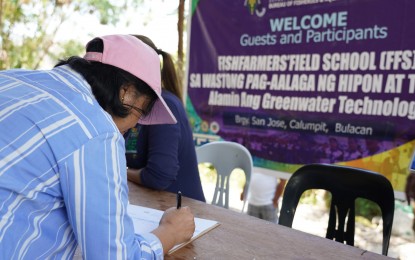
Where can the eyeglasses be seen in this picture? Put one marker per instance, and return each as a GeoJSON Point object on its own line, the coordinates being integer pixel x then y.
{"type": "Point", "coordinates": [140, 111]}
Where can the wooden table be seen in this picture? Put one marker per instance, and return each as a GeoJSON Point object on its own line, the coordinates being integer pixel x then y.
{"type": "Point", "coordinates": [244, 237]}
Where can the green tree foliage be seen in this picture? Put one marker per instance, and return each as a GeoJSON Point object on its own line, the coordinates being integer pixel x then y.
{"type": "Point", "coordinates": [28, 28]}
{"type": "Point", "coordinates": [367, 209]}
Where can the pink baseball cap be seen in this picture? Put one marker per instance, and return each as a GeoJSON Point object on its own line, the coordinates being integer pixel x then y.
{"type": "Point", "coordinates": [134, 56]}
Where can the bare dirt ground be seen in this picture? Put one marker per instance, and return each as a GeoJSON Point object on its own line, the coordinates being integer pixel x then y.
{"type": "Point", "coordinates": [313, 219]}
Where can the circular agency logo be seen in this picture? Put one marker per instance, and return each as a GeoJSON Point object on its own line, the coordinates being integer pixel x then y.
{"type": "Point", "coordinates": [256, 7]}
{"type": "Point", "coordinates": [204, 126]}
{"type": "Point", "coordinates": [214, 127]}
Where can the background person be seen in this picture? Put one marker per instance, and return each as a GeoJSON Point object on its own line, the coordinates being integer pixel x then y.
{"type": "Point", "coordinates": [62, 156]}
{"type": "Point", "coordinates": [163, 157]}
{"type": "Point", "coordinates": [263, 195]}
{"type": "Point", "coordinates": [410, 190]}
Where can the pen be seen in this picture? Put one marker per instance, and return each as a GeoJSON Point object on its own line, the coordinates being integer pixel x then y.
{"type": "Point", "coordinates": [179, 199]}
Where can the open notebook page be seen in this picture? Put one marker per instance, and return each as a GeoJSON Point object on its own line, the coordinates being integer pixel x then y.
{"type": "Point", "coordinates": [147, 219]}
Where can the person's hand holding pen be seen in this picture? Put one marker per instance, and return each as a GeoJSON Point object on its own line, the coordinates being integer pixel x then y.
{"type": "Point", "coordinates": [176, 226]}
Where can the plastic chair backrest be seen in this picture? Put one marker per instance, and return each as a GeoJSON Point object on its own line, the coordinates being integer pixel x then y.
{"type": "Point", "coordinates": [345, 185]}
{"type": "Point", "coordinates": [225, 156]}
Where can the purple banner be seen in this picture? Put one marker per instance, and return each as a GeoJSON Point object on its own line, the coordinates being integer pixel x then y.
{"type": "Point", "coordinates": [307, 81]}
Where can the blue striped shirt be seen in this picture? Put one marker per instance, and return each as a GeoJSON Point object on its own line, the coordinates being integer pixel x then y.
{"type": "Point", "coordinates": [62, 172]}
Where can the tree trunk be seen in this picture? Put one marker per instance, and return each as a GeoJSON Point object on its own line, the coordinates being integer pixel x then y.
{"type": "Point", "coordinates": [180, 25]}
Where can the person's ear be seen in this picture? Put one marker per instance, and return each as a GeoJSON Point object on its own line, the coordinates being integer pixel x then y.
{"type": "Point", "coordinates": [127, 94]}
{"type": "Point", "coordinates": [123, 91]}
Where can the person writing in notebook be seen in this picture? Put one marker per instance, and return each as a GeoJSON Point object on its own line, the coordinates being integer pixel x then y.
{"type": "Point", "coordinates": [63, 180]}
{"type": "Point", "coordinates": [163, 156]}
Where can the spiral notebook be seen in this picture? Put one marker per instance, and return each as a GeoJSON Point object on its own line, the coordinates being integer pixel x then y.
{"type": "Point", "coordinates": [147, 219]}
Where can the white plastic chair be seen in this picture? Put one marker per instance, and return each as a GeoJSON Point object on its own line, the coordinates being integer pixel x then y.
{"type": "Point", "coordinates": [225, 156]}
